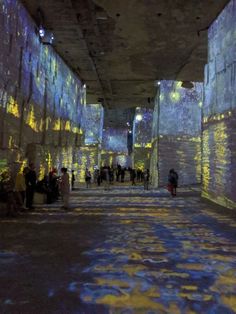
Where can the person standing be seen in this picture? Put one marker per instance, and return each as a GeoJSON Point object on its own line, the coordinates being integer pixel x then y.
{"type": "Point", "coordinates": [106, 178]}
{"type": "Point", "coordinates": [173, 181]}
{"type": "Point", "coordinates": [30, 181]}
{"type": "Point", "coordinates": [65, 187]}
{"type": "Point", "coordinates": [146, 177]}
{"type": "Point", "coordinates": [122, 174]}
{"type": "Point", "coordinates": [88, 178]}
{"type": "Point", "coordinates": [133, 176]}
{"type": "Point", "coordinates": [98, 177]}
{"type": "Point", "coordinates": [8, 187]}
{"type": "Point", "coordinates": [20, 186]}
{"type": "Point", "coordinates": [72, 180]}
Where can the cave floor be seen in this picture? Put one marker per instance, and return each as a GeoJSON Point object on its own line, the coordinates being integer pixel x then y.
{"type": "Point", "coordinates": [120, 251]}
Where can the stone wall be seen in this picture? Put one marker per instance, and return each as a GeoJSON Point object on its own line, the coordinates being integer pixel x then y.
{"type": "Point", "coordinates": [219, 111]}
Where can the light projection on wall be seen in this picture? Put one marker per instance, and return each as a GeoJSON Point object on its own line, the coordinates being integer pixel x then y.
{"type": "Point", "coordinates": [142, 137]}
{"type": "Point", "coordinates": [36, 69]}
{"type": "Point", "coordinates": [220, 83]}
{"type": "Point", "coordinates": [219, 111]}
{"type": "Point", "coordinates": [180, 109]}
{"type": "Point", "coordinates": [142, 127]}
{"type": "Point", "coordinates": [38, 92]}
{"type": "Point", "coordinates": [92, 123]}
{"type": "Point", "coordinates": [115, 140]}
{"type": "Point", "coordinates": [87, 158]}
{"type": "Point", "coordinates": [176, 132]}
{"type": "Point", "coordinates": [114, 159]}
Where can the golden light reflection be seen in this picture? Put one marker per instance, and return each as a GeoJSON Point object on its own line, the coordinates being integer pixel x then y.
{"type": "Point", "coordinates": [75, 130]}
{"type": "Point", "coordinates": [48, 120]}
{"type": "Point", "coordinates": [217, 117]}
{"type": "Point", "coordinates": [68, 126]}
{"type": "Point", "coordinates": [49, 161]}
{"type": "Point", "coordinates": [179, 85]}
{"type": "Point", "coordinates": [57, 125]}
{"type": "Point", "coordinates": [136, 300]}
{"type": "Point", "coordinates": [88, 159]}
{"type": "Point", "coordinates": [42, 172]}
{"type": "Point", "coordinates": [41, 125]}
{"type": "Point", "coordinates": [175, 96]}
{"type": "Point", "coordinates": [221, 157]}
{"type": "Point", "coordinates": [139, 164]}
{"type": "Point", "coordinates": [198, 161]}
{"type": "Point", "coordinates": [13, 107]}
{"type": "Point", "coordinates": [31, 120]}
{"type": "Point", "coordinates": [206, 161]}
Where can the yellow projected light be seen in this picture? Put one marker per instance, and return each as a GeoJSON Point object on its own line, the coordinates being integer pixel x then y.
{"type": "Point", "coordinates": [175, 96]}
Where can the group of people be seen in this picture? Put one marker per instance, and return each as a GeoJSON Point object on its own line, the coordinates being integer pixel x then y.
{"type": "Point", "coordinates": [108, 175]}
{"type": "Point", "coordinates": [19, 193]}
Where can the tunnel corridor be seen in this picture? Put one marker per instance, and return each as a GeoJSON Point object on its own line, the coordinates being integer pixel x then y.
{"type": "Point", "coordinates": [120, 95]}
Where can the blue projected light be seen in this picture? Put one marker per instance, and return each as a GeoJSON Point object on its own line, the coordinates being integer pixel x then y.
{"type": "Point", "coordinates": [92, 123]}
{"type": "Point", "coordinates": [142, 128]}
{"type": "Point", "coordinates": [115, 140]}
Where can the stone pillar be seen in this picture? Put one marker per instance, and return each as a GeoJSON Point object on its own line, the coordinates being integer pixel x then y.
{"type": "Point", "coordinates": [154, 165]}
{"type": "Point", "coordinates": [142, 137]}
{"type": "Point", "coordinates": [177, 133]}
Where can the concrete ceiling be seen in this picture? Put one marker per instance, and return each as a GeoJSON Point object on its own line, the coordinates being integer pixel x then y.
{"type": "Point", "coordinates": [119, 48]}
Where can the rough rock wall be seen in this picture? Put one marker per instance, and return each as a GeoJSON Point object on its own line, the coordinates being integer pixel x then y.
{"type": "Point", "coordinates": [177, 133]}
{"type": "Point", "coordinates": [219, 111]}
{"type": "Point", "coordinates": [40, 98]}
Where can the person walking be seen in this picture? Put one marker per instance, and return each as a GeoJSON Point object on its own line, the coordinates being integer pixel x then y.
{"type": "Point", "coordinates": [30, 181]}
{"type": "Point", "coordinates": [65, 188]}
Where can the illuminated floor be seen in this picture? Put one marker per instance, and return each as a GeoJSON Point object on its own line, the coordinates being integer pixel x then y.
{"type": "Point", "coordinates": [124, 251]}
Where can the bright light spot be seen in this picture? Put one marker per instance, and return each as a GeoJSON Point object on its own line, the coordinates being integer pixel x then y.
{"type": "Point", "coordinates": [179, 85]}
{"type": "Point", "coordinates": [41, 32]}
{"type": "Point", "coordinates": [175, 96]}
{"type": "Point", "coordinates": [139, 117]}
